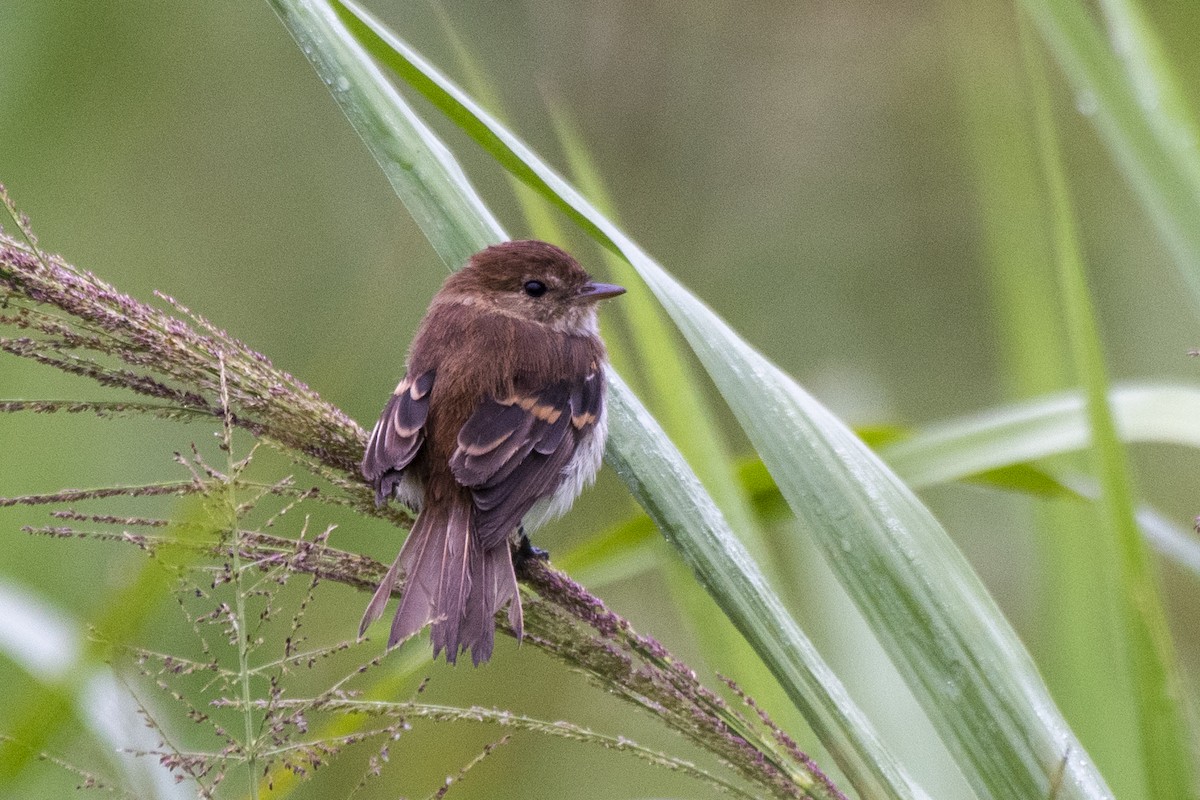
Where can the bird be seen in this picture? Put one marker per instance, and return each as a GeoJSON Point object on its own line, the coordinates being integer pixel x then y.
{"type": "Point", "coordinates": [497, 426]}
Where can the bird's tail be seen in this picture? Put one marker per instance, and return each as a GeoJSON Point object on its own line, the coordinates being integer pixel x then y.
{"type": "Point", "coordinates": [451, 582]}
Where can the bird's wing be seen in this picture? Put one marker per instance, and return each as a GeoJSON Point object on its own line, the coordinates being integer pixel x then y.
{"type": "Point", "coordinates": [513, 451]}
{"type": "Point", "coordinates": [398, 435]}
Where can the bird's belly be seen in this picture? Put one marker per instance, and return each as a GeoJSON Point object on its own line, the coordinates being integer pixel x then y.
{"type": "Point", "coordinates": [580, 472]}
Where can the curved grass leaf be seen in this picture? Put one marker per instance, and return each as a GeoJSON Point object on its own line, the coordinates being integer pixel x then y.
{"type": "Point", "coordinates": [946, 636]}
{"type": "Point", "coordinates": [658, 475]}
{"type": "Point", "coordinates": [948, 639]}
{"type": "Point", "coordinates": [1040, 428]}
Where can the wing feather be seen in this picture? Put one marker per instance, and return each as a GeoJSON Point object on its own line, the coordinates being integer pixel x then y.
{"type": "Point", "coordinates": [512, 452]}
{"type": "Point", "coordinates": [398, 435]}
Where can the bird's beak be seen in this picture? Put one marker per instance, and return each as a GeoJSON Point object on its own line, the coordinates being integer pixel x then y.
{"type": "Point", "coordinates": [599, 291]}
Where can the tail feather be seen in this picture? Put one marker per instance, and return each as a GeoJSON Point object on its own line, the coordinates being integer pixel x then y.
{"type": "Point", "coordinates": [450, 582]}
{"type": "Point", "coordinates": [493, 583]}
{"type": "Point", "coordinates": [434, 559]}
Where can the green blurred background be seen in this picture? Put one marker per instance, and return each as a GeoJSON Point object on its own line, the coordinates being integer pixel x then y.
{"type": "Point", "coordinates": [812, 170]}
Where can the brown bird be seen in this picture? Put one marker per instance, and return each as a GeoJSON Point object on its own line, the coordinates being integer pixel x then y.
{"type": "Point", "coordinates": [499, 421]}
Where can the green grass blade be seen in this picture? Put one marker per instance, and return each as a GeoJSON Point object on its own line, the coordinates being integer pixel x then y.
{"type": "Point", "coordinates": [944, 633]}
{"type": "Point", "coordinates": [933, 617]}
{"type": "Point", "coordinates": [1040, 428]}
{"type": "Point", "coordinates": [650, 464]}
{"type": "Point", "coordinates": [1142, 121]}
{"type": "Point", "coordinates": [1164, 740]}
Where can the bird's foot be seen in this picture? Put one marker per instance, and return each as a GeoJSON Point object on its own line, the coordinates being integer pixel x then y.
{"type": "Point", "coordinates": [525, 551]}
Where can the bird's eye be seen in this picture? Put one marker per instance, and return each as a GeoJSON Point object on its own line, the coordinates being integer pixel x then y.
{"type": "Point", "coordinates": [535, 288]}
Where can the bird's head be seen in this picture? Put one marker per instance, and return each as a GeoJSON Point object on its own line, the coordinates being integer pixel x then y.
{"type": "Point", "coordinates": [531, 280]}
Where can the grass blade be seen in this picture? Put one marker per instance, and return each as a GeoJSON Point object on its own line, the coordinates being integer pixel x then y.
{"type": "Point", "coordinates": [1040, 428]}
{"type": "Point", "coordinates": [731, 576]}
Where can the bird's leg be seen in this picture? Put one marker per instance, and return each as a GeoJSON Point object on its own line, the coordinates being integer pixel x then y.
{"type": "Point", "coordinates": [525, 550]}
